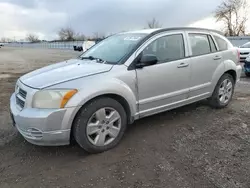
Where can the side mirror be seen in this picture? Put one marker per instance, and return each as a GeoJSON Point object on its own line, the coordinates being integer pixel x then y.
{"type": "Point", "coordinates": [147, 60]}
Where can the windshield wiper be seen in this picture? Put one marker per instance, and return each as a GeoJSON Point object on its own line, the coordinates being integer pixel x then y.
{"type": "Point", "coordinates": [93, 58]}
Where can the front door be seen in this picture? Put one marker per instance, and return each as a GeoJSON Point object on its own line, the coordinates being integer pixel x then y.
{"type": "Point", "coordinates": [166, 84]}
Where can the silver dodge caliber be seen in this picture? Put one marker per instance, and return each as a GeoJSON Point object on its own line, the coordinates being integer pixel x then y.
{"type": "Point", "coordinates": [127, 76]}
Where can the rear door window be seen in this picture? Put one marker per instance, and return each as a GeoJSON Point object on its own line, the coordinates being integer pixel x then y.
{"type": "Point", "coordinates": [199, 43]}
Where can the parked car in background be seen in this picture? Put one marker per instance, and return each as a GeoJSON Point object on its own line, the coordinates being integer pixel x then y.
{"type": "Point", "coordinates": [244, 51]}
{"type": "Point", "coordinates": [85, 46]}
{"type": "Point", "coordinates": [247, 66]}
{"type": "Point", "coordinates": [124, 77]}
{"type": "Point", "coordinates": [77, 48]}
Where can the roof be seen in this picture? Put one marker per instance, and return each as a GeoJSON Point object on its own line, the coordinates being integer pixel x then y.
{"type": "Point", "coordinates": [146, 31]}
{"type": "Point", "coordinates": [158, 30]}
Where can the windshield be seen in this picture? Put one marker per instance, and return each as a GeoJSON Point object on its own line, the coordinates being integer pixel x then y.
{"type": "Point", "coordinates": [247, 45]}
{"type": "Point", "coordinates": [112, 49]}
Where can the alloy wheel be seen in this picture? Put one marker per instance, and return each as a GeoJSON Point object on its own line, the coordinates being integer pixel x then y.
{"type": "Point", "coordinates": [103, 126]}
{"type": "Point", "coordinates": [225, 91]}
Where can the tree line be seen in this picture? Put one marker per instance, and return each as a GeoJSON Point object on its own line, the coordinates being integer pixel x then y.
{"type": "Point", "coordinates": [231, 13]}
{"type": "Point", "coordinates": [64, 34]}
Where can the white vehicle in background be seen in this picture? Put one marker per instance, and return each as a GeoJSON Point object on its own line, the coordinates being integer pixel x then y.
{"type": "Point", "coordinates": [244, 51]}
{"type": "Point", "coordinates": [87, 44]}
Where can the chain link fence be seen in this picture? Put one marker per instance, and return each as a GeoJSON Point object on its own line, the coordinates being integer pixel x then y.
{"type": "Point", "coordinates": [69, 45]}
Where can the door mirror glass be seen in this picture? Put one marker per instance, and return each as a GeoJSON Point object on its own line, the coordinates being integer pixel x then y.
{"type": "Point", "coordinates": [147, 60]}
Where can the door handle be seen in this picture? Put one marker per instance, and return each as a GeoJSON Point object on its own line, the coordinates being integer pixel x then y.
{"type": "Point", "coordinates": [217, 57]}
{"type": "Point", "coordinates": [182, 65]}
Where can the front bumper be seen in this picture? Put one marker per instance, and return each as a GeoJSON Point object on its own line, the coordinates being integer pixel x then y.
{"type": "Point", "coordinates": [47, 127]}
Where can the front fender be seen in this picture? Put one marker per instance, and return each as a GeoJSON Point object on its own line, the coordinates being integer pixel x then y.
{"type": "Point", "coordinates": [108, 86]}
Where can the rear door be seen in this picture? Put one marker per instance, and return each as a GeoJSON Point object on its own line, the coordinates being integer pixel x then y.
{"type": "Point", "coordinates": [205, 58]}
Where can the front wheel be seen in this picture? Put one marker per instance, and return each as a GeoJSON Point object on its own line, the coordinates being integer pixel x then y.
{"type": "Point", "coordinates": [100, 125]}
{"type": "Point", "coordinates": [223, 92]}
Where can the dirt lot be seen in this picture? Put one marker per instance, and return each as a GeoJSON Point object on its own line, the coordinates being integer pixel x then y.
{"type": "Point", "coordinates": [193, 146]}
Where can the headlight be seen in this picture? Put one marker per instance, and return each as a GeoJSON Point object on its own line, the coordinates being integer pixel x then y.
{"type": "Point", "coordinates": [52, 98]}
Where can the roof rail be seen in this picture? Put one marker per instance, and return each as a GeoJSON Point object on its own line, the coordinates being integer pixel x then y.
{"type": "Point", "coordinates": [188, 28]}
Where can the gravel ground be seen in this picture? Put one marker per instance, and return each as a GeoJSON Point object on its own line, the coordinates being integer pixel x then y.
{"type": "Point", "coordinates": [192, 146]}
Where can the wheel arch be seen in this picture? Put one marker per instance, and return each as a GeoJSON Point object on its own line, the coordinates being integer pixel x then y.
{"type": "Point", "coordinates": [232, 73]}
{"type": "Point", "coordinates": [228, 67]}
{"type": "Point", "coordinates": [117, 97]}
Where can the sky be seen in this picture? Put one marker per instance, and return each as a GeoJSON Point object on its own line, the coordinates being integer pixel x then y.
{"type": "Point", "coordinates": [46, 17]}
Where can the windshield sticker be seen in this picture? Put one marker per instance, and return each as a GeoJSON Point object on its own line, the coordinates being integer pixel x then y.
{"type": "Point", "coordinates": [132, 38]}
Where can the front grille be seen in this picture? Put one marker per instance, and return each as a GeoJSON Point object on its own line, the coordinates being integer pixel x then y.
{"type": "Point", "coordinates": [20, 102]}
{"type": "Point", "coordinates": [244, 53]}
{"type": "Point", "coordinates": [20, 97]}
{"type": "Point", "coordinates": [22, 93]}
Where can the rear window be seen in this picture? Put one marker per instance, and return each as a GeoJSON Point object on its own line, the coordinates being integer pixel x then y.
{"type": "Point", "coordinates": [222, 44]}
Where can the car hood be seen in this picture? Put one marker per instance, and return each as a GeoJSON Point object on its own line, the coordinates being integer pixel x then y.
{"type": "Point", "coordinates": [62, 72]}
{"type": "Point", "coordinates": [244, 49]}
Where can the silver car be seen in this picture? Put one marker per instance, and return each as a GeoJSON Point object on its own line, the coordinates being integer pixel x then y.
{"type": "Point", "coordinates": [125, 77]}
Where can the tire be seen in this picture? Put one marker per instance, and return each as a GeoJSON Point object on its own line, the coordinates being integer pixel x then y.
{"type": "Point", "coordinates": [90, 112]}
{"type": "Point", "coordinates": [247, 74]}
{"type": "Point", "coordinates": [214, 100]}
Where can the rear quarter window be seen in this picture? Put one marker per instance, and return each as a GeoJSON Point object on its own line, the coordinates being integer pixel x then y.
{"type": "Point", "coordinates": [222, 44]}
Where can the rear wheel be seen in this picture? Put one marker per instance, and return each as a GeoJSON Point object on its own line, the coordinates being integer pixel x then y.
{"type": "Point", "coordinates": [100, 125]}
{"type": "Point", "coordinates": [223, 92]}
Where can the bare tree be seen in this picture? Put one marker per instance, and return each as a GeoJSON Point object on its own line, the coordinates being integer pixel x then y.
{"type": "Point", "coordinates": [153, 23]}
{"type": "Point", "coordinates": [67, 34]}
{"type": "Point", "coordinates": [233, 13]}
{"type": "Point", "coordinates": [6, 40]}
{"type": "Point", "coordinates": [97, 35]}
{"type": "Point", "coordinates": [80, 36]}
{"type": "Point", "coordinates": [32, 38]}
{"type": "Point", "coordinates": [3, 39]}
